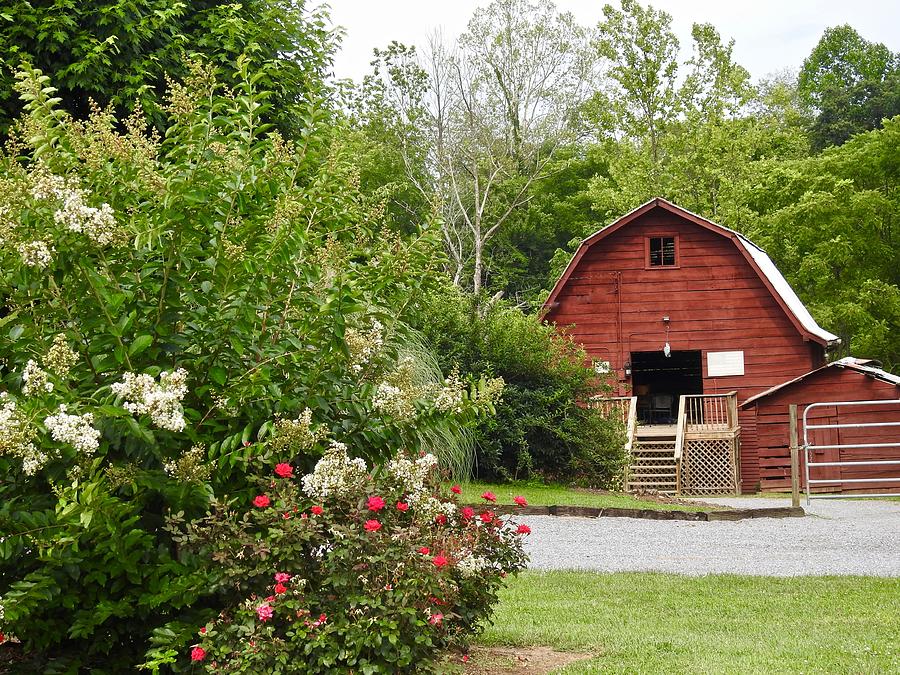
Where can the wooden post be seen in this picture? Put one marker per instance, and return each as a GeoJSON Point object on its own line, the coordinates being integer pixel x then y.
{"type": "Point", "coordinates": [795, 456]}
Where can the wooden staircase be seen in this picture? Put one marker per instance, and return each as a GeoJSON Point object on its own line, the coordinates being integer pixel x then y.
{"type": "Point", "coordinates": [654, 467]}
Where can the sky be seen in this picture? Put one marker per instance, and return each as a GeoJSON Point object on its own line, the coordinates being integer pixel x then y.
{"type": "Point", "coordinates": [770, 35]}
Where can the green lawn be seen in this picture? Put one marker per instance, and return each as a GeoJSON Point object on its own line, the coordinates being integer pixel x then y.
{"type": "Point", "coordinates": [539, 494]}
{"type": "Point", "coordinates": [661, 623]}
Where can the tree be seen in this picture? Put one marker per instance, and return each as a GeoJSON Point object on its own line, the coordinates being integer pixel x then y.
{"type": "Point", "coordinates": [851, 83]}
{"type": "Point", "coordinates": [119, 52]}
{"type": "Point", "coordinates": [642, 51]}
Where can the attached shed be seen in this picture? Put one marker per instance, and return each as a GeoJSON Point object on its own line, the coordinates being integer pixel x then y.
{"type": "Point", "coordinates": [672, 304]}
{"type": "Point", "coordinates": [848, 379]}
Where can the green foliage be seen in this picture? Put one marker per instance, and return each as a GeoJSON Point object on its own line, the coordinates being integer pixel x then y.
{"type": "Point", "coordinates": [540, 426]}
{"type": "Point", "coordinates": [375, 574]}
{"type": "Point", "coordinates": [171, 309]}
{"type": "Point", "coordinates": [830, 222]}
{"type": "Point", "coordinates": [120, 52]}
{"type": "Point", "coordinates": [852, 84]}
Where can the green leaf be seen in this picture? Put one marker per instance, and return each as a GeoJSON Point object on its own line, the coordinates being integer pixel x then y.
{"type": "Point", "coordinates": [218, 375]}
{"type": "Point", "coordinates": [141, 342]}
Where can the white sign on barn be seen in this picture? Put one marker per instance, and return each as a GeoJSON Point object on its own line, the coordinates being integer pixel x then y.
{"type": "Point", "coordinates": [724, 364]}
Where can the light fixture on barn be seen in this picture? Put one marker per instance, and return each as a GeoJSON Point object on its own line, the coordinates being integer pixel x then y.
{"type": "Point", "coordinates": [667, 349]}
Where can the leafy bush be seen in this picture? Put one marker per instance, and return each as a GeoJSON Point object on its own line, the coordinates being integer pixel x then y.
{"type": "Point", "coordinates": [542, 424]}
{"type": "Point", "coordinates": [344, 570]}
{"type": "Point", "coordinates": [170, 309]}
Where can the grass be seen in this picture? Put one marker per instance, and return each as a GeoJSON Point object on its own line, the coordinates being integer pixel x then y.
{"type": "Point", "coordinates": [539, 494]}
{"type": "Point", "coordinates": [661, 623]}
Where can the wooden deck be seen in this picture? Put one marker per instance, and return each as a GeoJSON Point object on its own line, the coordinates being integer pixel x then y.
{"type": "Point", "coordinates": [656, 430]}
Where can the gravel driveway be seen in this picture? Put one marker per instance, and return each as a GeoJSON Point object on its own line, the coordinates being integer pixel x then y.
{"type": "Point", "coordinates": [836, 537]}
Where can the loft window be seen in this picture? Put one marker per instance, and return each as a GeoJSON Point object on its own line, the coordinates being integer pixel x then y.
{"type": "Point", "coordinates": [662, 251]}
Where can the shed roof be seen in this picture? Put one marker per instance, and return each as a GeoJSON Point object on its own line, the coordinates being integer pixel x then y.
{"type": "Point", "coordinates": [773, 279]}
{"type": "Point", "coordinates": [864, 366]}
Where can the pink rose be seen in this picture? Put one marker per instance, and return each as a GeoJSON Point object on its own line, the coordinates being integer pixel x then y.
{"type": "Point", "coordinates": [520, 501]}
{"type": "Point", "coordinates": [375, 504]}
{"type": "Point", "coordinates": [436, 619]}
{"type": "Point", "coordinates": [198, 654]}
{"type": "Point", "coordinates": [467, 512]}
{"type": "Point", "coordinates": [402, 506]}
{"type": "Point", "coordinates": [524, 529]}
{"type": "Point", "coordinates": [440, 561]}
{"type": "Point", "coordinates": [264, 612]}
{"type": "Point", "coordinates": [489, 496]}
{"type": "Point", "coordinates": [284, 470]}
{"type": "Point", "coordinates": [282, 577]}
{"type": "Point", "coordinates": [372, 526]}
{"type": "Point", "coordinates": [262, 501]}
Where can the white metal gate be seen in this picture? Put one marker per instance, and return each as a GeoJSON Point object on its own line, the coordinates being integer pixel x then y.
{"type": "Point", "coordinates": [837, 426]}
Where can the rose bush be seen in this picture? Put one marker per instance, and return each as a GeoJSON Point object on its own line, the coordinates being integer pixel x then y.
{"type": "Point", "coordinates": [324, 575]}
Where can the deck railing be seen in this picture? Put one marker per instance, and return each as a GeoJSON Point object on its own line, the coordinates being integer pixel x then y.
{"type": "Point", "coordinates": [623, 408]}
{"type": "Point", "coordinates": [707, 444]}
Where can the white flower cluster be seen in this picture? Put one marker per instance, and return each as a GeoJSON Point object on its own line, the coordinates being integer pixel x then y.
{"type": "Point", "coordinates": [60, 358]}
{"type": "Point", "coordinates": [449, 398]}
{"type": "Point", "coordinates": [34, 380]}
{"type": "Point", "coordinates": [97, 224]}
{"type": "Point", "coordinates": [397, 395]}
{"type": "Point", "coordinates": [428, 508]}
{"type": "Point", "coordinates": [76, 430]}
{"type": "Point", "coordinates": [297, 434]}
{"type": "Point", "coordinates": [190, 467]}
{"type": "Point", "coordinates": [364, 345]}
{"type": "Point", "coordinates": [335, 475]}
{"type": "Point", "coordinates": [161, 401]}
{"type": "Point", "coordinates": [409, 476]}
{"type": "Point", "coordinates": [471, 565]}
{"type": "Point", "coordinates": [16, 437]}
{"type": "Point", "coordinates": [36, 253]}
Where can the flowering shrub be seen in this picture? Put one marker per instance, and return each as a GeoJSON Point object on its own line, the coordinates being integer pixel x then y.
{"type": "Point", "coordinates": [171, 311]}
{"type": "Point", "coordinates": [343, 570]}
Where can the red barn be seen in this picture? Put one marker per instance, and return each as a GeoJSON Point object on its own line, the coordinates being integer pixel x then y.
{"type": "Point", "coordinates": [848, 379]}
{"type": "Point", "coordinates": [673, 304]}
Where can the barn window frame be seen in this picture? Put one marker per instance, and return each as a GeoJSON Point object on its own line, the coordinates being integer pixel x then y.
{"type": "Point", "coordinates": [676, 263]}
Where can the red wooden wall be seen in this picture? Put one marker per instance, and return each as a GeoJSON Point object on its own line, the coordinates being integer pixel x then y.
{"type": "Point", "coordinates": [714, 298]}
{"type": "Point", "coordinates": [828, 384]}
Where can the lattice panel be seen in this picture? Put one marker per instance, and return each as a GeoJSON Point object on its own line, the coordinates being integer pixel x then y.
{"type": "Point", "coordinates": [652, 467]}
{"type": "Point", "coordinates": [707, 467]}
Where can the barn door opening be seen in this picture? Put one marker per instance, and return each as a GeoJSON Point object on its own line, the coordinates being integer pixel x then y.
{"type": "Point", "coordinates": [659, 380]}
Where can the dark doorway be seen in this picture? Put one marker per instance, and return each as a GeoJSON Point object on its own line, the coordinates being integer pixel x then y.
{"type": "Point", "coordinates": [658, 380]}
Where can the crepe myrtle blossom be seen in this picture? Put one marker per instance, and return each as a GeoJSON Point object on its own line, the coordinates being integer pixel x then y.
{"type": "Point", "coordinates": [161, 401]}
{"type": "Point", "coordinates": [76, 430]}
{"type": "Point", "coordinates": [36, 254]}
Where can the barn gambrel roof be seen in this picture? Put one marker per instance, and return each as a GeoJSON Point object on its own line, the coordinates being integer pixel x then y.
{"type": "Point", "coordinates": [773, 280]}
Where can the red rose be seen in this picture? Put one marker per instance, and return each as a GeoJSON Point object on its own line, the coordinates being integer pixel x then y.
{"type": "Point", "coordinates": [372, 525]}
{"type": "Point", "coordinates": [456, 489]}
{"type": "Point", "coordinates": [486, 516]}
{"type": "Point", "coordinates": [440, 561]}
{"type": "Point", "coordinates": [489, 496]}
{"type": "Point", "coordinates": [467, 512]}
{"type": "Point", "coordinates": [402, 506]}
{"type": "Point", "coordinates": [284, 470]}
{"type": "Point", "coordinates": [317, 510]}
{"type": "Point", "coordinates": [282, 577]}
{"type": "Point", "coordinates": [524, 529]}
{"type": "Point", "coordinates": [424, 550]}
{"type": "Point", "coordinates": [280, 588]}
{"type": "Point", "coordinates": [440, 519]}
{"type": "Point", "coordinates": [375, 504]}
{"type": "Point", "coordinates": [286, 515]}
{"type": "Point", "coordinates": [198, 654]}
{"type": "Point", "coordinates": [436, 619]}
{"type": "Point", "coordinates": [262, 501]}
{"type": "Point", "coordinates": [520, 501]}
{"type": "Point", "coordinates": [203, 630]}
